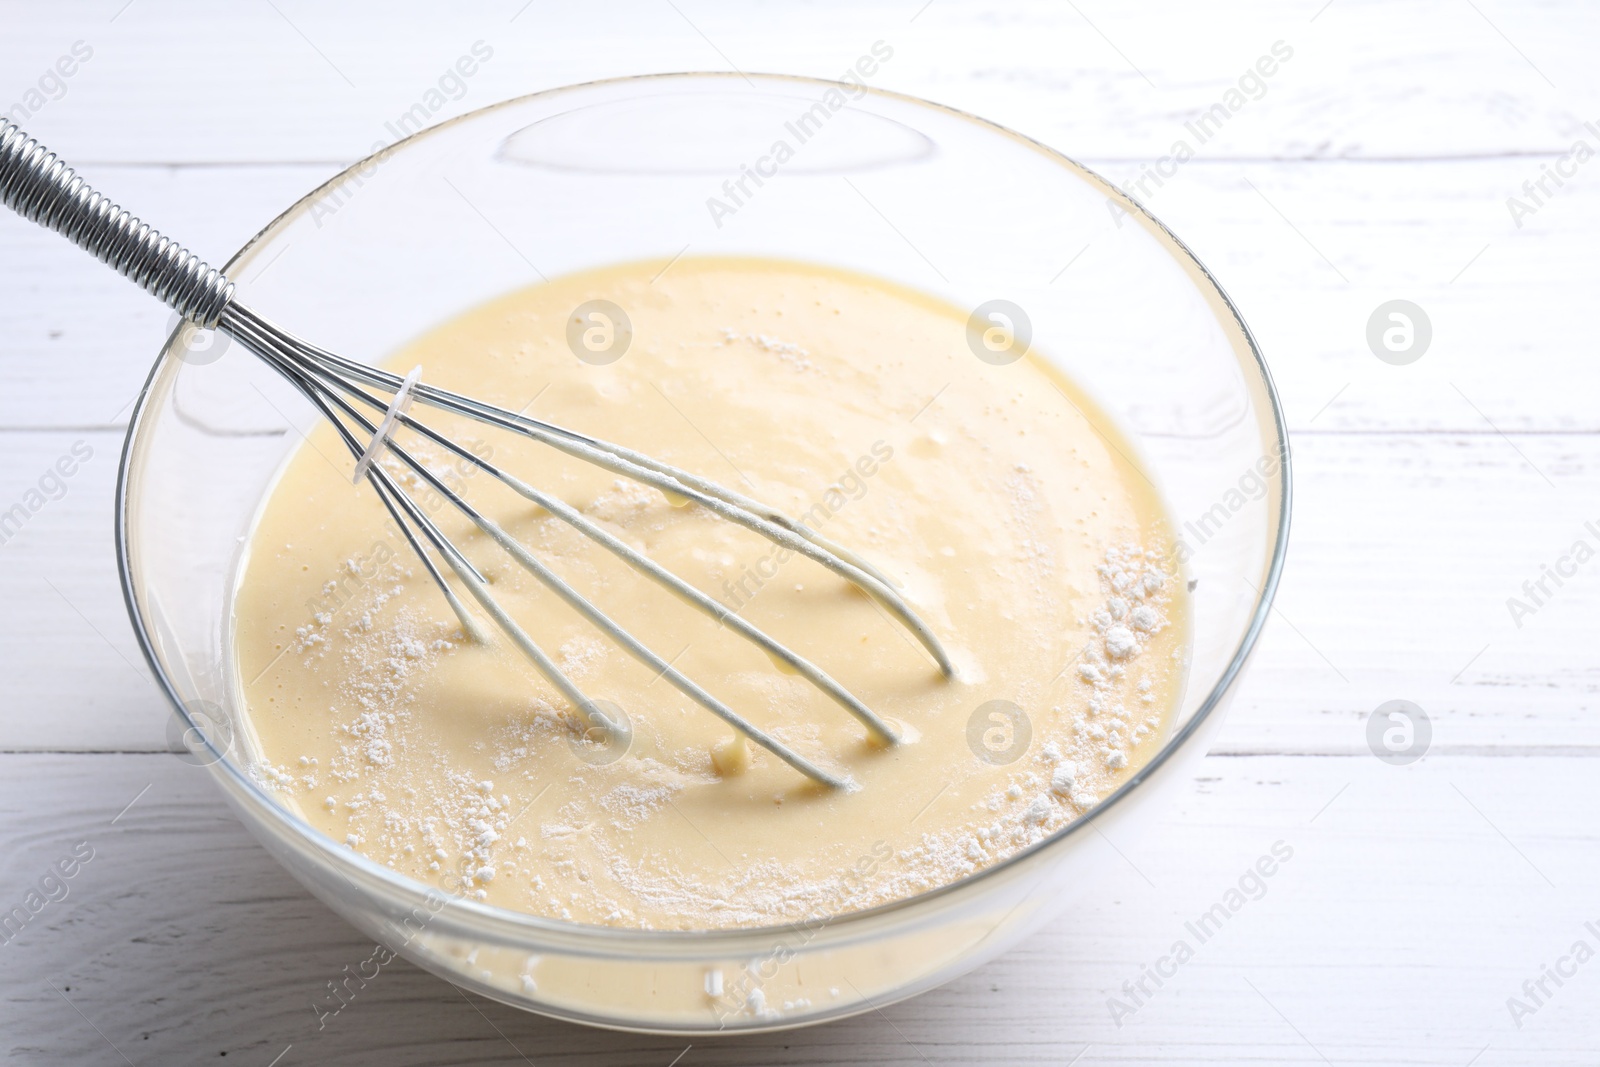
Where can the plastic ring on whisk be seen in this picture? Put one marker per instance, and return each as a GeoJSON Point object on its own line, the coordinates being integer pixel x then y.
{"type": "Point", "coordinates": [397, 407]}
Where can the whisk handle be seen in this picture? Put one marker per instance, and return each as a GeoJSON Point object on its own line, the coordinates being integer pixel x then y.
{"type": "Point", "coordinates": [39, 186]}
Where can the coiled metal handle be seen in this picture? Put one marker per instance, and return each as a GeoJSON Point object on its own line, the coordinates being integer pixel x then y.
{"type": "Point", "coordinates": [37, 185]}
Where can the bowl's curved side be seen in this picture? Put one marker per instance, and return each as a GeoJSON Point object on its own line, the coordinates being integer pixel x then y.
{"type": "Point", "coordinates": [926, 939]}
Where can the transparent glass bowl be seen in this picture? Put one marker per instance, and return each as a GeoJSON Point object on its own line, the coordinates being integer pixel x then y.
{"type": "Point", "coordinates": [654, 167]}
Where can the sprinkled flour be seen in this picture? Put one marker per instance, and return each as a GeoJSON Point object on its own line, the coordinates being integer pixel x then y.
{"type": "Point", "coordinates": [993, 496]}
{"type": "Point", "coordinates": [464, 833]}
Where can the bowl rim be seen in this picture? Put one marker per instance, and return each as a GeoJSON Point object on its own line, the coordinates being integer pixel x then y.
{"type": "Point", "coordinates": [715, 939]}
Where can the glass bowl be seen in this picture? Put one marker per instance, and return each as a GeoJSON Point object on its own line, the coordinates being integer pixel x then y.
{"type": "Point", "coordinates": [653, 167]}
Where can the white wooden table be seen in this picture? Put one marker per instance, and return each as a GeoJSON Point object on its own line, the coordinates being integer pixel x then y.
{"type": "Point", "coordinates": [1377, 165]}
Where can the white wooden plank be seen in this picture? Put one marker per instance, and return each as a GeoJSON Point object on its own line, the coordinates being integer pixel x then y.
{"type": "Point", "coordinates": [181, 939]}
{"type": "Point", "coordinates": [174, 81]}
{"type": "Point", "coordinates": [1404, 551]}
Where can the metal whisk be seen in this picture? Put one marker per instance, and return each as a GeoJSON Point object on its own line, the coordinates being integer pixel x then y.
{"type": "Point", "coordinates": [36, 184]}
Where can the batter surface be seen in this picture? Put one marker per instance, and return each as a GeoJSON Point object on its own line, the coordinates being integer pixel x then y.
{"type": "Point", "coordinates": [999, 497]}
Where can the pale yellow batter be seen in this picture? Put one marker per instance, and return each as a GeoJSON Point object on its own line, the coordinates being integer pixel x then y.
{"type": "Point", "coordinates": [1000, 498]}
